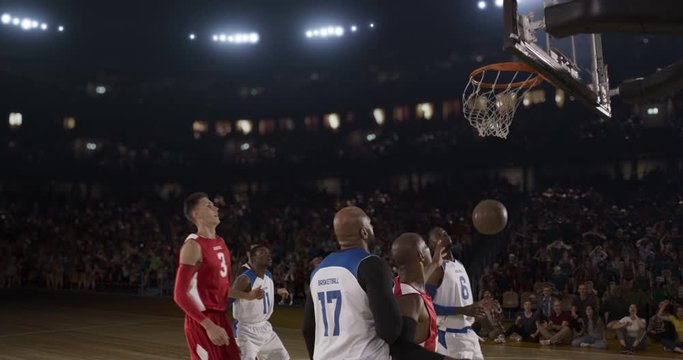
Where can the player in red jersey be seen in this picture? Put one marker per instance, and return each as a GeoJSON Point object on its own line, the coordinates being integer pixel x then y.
{"type": "Point", "coordinates": [202, 283]}
{"type": "Point", "coordinates": [410, 254]}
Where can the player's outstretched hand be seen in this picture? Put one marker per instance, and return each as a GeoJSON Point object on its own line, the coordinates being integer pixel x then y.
{"type": "Point", "coordinates": [217, 335]}
{"type": "Point", "coordinates": [284, 294]}
{"type": "Point", "coordinates": [474, 310]}
{"type": "Point", "coordinates": [256, 294]}
{"type": "Point", "coordinates": [440, 253]}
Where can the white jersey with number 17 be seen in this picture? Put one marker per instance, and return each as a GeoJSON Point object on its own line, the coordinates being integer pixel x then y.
{"type": "Point", "coordinates": [344, 325]}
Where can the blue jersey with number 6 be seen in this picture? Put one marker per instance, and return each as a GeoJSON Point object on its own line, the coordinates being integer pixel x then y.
{"type": "Point", "coordinates": [344, 325]}
{"type": "Point", "coordinates": [455, 291]}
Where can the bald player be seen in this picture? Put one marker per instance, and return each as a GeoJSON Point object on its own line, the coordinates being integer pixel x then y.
{"type": "Point", "coordinates": [351, 312]}
{"type": "Point", "coordinates": [449, 286]}
{"type": "Point", "coordinates": [410, 254]}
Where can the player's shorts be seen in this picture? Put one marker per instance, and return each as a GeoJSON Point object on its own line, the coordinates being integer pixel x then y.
{"type": "Point", "coordinates": [459, 344]}
{"type": "Point", "coordinates": [201, 347]}
{"type": "Point", "coordinates": [260, 341]}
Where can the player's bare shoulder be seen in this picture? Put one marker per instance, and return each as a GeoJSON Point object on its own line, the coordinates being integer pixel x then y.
{"type": "Point", "coordinates": [191, 251]}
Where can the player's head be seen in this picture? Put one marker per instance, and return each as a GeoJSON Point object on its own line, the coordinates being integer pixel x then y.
{"type": "Point", "coordinates": [410, 250]}
{"type": "Point", "coordinates": [352, 228]}
{"type": "Point", "coordinates": [200, 210]}
{"type": "Point", "coordinates": [527, 305]}
{"type": "Point", "coordinates": [437, 234]}
{"type": "Point", "coordinates": [259, 256]}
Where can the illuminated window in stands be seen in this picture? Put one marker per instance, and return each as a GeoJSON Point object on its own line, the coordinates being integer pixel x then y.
{"type": "Point", "coordinates": [312, 122]}
{"type": "Point", "coordinates": [223, 127]}
{"type": "Point", "coordinates": [266, 126]}
{"type": "Point", "coordinates": [69, 123]}
{"type": "Point", "coordinates": [401, 113]}
{"type": "Point", "coordinates": [450, 109]}
{"type": "Point", "coordinates": [286, 124]}
{"type": "Point", "coordinates": [424, 111]}
{"type": "Point", "coordinates": [350, 117]}
{"type": "Point", "coordinates": [244, 126]}
{"type": "Point", "coordinates": [379, 115]}
{"type": "Point", "coordinates": [332, 121]}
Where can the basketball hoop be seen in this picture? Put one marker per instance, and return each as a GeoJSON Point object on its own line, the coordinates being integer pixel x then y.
{"type": "Point", "coordinates": [493, 94]}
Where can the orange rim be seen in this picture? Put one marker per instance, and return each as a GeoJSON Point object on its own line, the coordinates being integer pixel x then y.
{"type": "Point", "coordinates": [534, 81]}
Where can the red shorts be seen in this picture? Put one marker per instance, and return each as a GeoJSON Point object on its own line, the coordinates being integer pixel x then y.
{"type": "Point", "coordinates": [201, 347]}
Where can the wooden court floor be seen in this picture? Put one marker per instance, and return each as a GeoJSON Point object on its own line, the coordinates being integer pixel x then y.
{"type": "Point", "coordinates": [45, 325]}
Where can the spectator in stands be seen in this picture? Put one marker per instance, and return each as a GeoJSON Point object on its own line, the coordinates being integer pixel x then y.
{"type": "Point", "coordinates": [525, 327]}
{"type": "Point", "coordinates": [556, 330]}
{"type": "Point", "coordinates": [579, 304]}
{"type": "Point", "coordinates": [614, 305]}
{"type": "Point", "coordinates": [592, 333]}
{"type": "Point", "coordinates": [545, 303]}
{"type": "Point", "coordinates": [676, 343]}
{"type": "Point", "coordinates": [491, 322]}
{"type": "Point", "coordinates": [659, 329]}
{"type": "Point", "coordinates": [559, 279]}
{"type": "Point", "coordinates": [631, 331]}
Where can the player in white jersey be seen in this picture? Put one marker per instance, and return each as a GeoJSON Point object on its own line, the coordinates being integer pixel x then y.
{"type": "Point", "coordinates": [256, 336]}
{"type": "Point", "coordinates": [351, 312]}
{"type": "Point", "coordinates": [453, 300]}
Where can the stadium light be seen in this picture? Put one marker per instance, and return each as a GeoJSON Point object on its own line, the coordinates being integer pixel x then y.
{"type": "Point", "coordinates": [6, 18]}
{"type": "Point", "coordinates": [499, 3]}
{"type": "Point", "coordinates": [238, 38]}
{"type": "Point", "coordinates": [653, 111]}
{"type": "Point", "coordinates": [43, 26]}
{"type": "Point", "coordinates": [34, 24]}
{"type": "Point", "coordinates": [91, 146]}
{"type": "Point", "coordinates": [60, 28]}
{"type": "Point", "coordinates": [354, 28]}
{"type": "Point", "coordinates": [192, 36]}
{"type": "Point", "coordinates": [481, 5]}
{"type": "Point", "coordinates": [101, 90]}
{"type": "Point", "coordinates": [16, 21]}
{"type": "Point", "coordinates": [372, 25]}
{"type": "Point", "coordinates": [26, 24]}
{"type": "Point", "coordinates": [326, 31]}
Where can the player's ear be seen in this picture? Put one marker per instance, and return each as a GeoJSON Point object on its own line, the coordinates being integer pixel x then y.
{"type": "Point", "coordinates": [364, 234]}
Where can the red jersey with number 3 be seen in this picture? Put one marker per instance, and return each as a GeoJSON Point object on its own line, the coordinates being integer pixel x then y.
{"type": "Point", "coordinates": [401, 289]}
{"type": "Point", "coordinates": [210, 284]}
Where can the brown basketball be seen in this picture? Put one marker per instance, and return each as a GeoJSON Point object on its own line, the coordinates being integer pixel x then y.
{"type": "Point", "coordinates": [490, 217]}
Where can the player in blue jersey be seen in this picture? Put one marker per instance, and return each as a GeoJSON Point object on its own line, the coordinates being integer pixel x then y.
{"type": "Point", "coordinates": [351, 312]}
{"type": "Point", "coordinates": [454, 303]}
{"type": "Point", "coordinates": [255, 335]}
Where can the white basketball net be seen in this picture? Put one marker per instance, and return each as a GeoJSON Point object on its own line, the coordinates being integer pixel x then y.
{"type": "Point", "coordinates": [490, 109]}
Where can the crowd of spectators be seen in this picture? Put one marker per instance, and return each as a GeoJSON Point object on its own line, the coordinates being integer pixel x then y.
{"type": "Point", "coordinates": [584, 263]}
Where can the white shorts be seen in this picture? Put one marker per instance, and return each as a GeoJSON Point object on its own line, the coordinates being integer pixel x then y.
{"type": "Point", "coordinates": [259, 340]}
{"type": "Point", "coordinates": [460, 345]}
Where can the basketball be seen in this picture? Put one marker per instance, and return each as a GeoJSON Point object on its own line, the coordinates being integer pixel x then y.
{"type": "Point", "coordinates": [490, 217]}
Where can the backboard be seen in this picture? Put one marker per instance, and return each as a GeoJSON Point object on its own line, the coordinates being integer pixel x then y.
{"type": "Point", "coordinates": [574, 63]}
